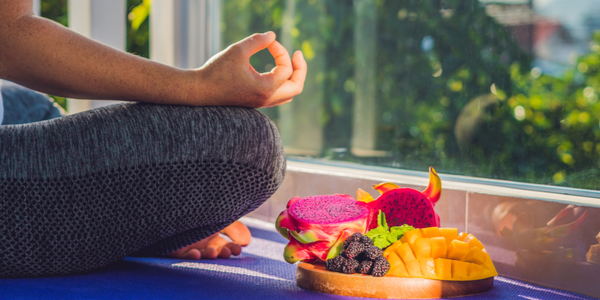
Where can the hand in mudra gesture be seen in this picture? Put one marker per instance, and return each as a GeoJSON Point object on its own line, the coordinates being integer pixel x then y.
{"type": "Point", "coordinates": [234, 82]}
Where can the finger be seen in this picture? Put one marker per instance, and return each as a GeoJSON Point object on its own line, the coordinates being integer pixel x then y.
{"type": "Point", "coordinates": [224, 253]}
{"type": "Point", "coordinates": [283, 64]}
{"type": "Point", "coordinates": [256, 42]}
{"type": "Point", "coordinates": [300, 68]}
{"type": "Point", "coordinates": [238, 233]}
{"type": "Point", "coordinates": [209, 253]}
{"type": "Point", "coordinates": [295, 84]}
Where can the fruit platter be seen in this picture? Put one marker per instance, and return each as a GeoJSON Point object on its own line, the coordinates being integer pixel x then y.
{"type": "Point", "coordinates": [388, 247]}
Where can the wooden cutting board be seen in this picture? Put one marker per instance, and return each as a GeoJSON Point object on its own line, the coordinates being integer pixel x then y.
{"type": "Point", "coordinates": [316, 278]}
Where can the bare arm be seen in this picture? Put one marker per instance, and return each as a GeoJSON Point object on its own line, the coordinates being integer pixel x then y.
{"type": "Point", "coordinates": [48, 57]}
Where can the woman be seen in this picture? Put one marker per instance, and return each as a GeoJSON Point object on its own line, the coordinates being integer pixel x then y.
{"type": "Point", "coordinates": [158, 177]}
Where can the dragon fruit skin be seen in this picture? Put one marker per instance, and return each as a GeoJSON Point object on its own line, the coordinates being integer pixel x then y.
{"type": "Point", "coordinates": [315, 225]}
{"type": "Point", "coordinates": [405, 205]}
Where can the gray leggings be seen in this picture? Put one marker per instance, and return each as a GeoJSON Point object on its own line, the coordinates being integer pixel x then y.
{"type": "Point", "coordinates": [82, 191]}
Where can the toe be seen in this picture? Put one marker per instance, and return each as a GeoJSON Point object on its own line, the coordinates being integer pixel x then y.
{"type": "Point", "coordinates": [193, 254]}
{"type": "Point", "coordinates": [234, 248]}
{"type": "Point", "coordinates": [209, 253]}
{"type": "Point", "coordinates": [224, 253]}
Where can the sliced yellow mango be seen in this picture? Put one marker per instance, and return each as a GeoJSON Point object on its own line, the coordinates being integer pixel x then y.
{"type": "Point", "coordinates": [487, 274]}
{"type": "Point", "coordinates": [460, 270]}
{"type": "Point", "coordinates": [438, 247]}
{"type": "Point", "coordinates": [411, 236]}
{"type": "Point", "coordinates": [473, 241]}
{"type": "Point", "coordinates": [475, 271]}
{"type": "Point", "coordinates": [457, 250]}
{"type": "Point", "coordinates": [405, 252]}
{"type": "Point", "coordinates": [391, 248]}
{"type": "Point", "coordinates": [489, 265]}
{"type": "Point", "coordinates": [398, 270]}
{"type": "Point", "coordinates": [430, 232]}
{"type": "Point", "coordinates": [413, 268]}
{"type": "Point", "coordinates": [421, 248]}
{"type": "Point", "coordinates": [397, 266]}
{"type": "Point", "coordinates": [439, 253]}
{"type": "Point", "coordinates": [443, 268]}
{"type": "Point", "coordinates": [427, 267]}
{"type": "Point", "coordinates": [393, 259]}
{"type": "Point", "coordinates": [475, 255]}
{"type": "Point", "coordinates": [449, 234]}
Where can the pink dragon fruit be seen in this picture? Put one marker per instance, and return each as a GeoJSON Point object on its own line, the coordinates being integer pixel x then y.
{"type": "Point", "coordinates": [316, 225]}
{"type": "Point", "coordinates": [405, 205]}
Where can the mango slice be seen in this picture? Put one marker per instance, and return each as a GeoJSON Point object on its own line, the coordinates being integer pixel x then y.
{"type": "Point", "coordinates": [473, 241]}
{"type": "Point", "coordinates": [457, 250]}
{"type": "Point", "coordinates": [422, 248]}
{"type": "Point", "coordinates": [413, 268]}
{"type": "Point", "coordinates": [443, 268]}
{"type": "Point", "coordinates": [475, 271]}
{"type": "Point", "coordinates": [475, 255]}
{"type": "Point", "coordinates": [411, 236]}
{"type": "Point", "coordinates": [427, 267]}
{"type": "Point", "coordinates": [390, 249]}
{"type": "Point", "coordinates": [438, 247]}
{"type": "Point", "coordinates": [460, 269]}
{"type": "Point", "coordinates": [439, 253]}
{"type": "Point", "coordinates": [449, 234]}
{"type": "Point", "coordinates": [430, 232]}
{"type": "Point", "coordinates": [405, 253]}
{"type": "Point", "coordinates": [398, 268]}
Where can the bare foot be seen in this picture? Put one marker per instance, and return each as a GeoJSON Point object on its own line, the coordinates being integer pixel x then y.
{"type": "Point", "coordinates": [215, 246]}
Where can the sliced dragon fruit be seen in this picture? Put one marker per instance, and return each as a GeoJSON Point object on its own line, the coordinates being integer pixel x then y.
{"type": "Point", "coordinates": [315, 225]}
{"type": "Point", "coordinates": [408, 206]}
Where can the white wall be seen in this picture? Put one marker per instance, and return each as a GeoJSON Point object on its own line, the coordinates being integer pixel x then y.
{"type": "Point", "coordinates": [104, 21]}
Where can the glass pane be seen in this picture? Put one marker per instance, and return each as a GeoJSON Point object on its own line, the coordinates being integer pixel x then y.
{"type": "Point", "coordinates": [494, 89]}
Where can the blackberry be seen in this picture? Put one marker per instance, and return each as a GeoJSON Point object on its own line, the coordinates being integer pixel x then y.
{"type": "Point", "coordinates": [364, 267]}
{"type": "Point", "coordinates": [353, 238]}
{"type": "Point", "coordinates": [349, 266]}
{"type": "Point", "coordinates": [354, 249]}
{"type": "Point", "coordinates": [335, 264]}
{"type": "Point", "coordinates": [380, 267]}
{"type": "Point", "coordinates": [367, 241]}
{"type": "Point", "coordinates": [371, 253]}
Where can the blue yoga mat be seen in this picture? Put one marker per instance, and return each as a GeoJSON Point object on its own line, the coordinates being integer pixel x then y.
{"type": "Point", "coordinates": [259, 273]}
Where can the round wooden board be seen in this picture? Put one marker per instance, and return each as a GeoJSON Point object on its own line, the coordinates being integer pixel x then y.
{"type": "Point", "coordinates": [316, 278]}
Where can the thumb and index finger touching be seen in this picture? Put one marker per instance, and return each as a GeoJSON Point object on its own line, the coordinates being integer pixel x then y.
{"type": "Point", "coordinates": [285, 68]}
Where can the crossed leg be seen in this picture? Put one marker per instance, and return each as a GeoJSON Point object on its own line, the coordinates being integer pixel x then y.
{"type": "Point", "coordinates": [132, 179]}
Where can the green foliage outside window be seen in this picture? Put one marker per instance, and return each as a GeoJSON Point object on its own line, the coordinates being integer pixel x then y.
{"type": "Point", "coordinates": [469, 105]}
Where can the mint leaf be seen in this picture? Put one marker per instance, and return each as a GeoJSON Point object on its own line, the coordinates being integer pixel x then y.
{"type": "Point", "coordinates": [383, 235]}
{"type": "Point", "coordinates": [399, 231]}
{"type": "Point", "coordinates": [375, 232]}
{"type": "Point", "coordinates": [381, 221]}
{"type": "Point", "coordinates": [391, 238]}
{"type": "Point", "coordinates": [381, 242]}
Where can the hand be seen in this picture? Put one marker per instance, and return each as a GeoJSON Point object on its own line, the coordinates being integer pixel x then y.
{"type": "Point", "coordinates": [228, 79]}
{"type": "Point", "coordinates": [215, 246]}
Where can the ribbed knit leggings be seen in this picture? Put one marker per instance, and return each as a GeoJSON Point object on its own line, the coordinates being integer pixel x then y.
{"type": "Point", "coordinates": [82, 191]}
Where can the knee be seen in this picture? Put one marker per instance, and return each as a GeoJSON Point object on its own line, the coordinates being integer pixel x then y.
{"type": "Point", "coordinates": [230, 134]}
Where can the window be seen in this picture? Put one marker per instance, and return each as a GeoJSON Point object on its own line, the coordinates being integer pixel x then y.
{"type": "Point", "coordinates": [493, 89]}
